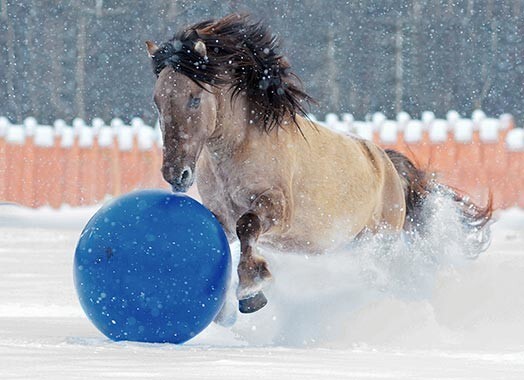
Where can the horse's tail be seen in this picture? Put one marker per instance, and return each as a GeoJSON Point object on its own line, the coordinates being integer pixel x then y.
{"type": "Point", "coordinates": [419, 184]}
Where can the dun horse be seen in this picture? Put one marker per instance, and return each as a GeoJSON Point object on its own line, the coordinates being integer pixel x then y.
{"type": "Point", "coordinates": [233, 118]}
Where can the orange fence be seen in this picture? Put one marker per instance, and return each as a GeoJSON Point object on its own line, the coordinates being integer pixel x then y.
{"type": "Point", "coordinates": [82, 165]}
{"type": "Point", "coordinates": [78, 165]}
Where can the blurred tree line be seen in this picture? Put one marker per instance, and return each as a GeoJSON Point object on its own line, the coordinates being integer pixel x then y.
{"type": "Point", "coordinates": [86, 58]}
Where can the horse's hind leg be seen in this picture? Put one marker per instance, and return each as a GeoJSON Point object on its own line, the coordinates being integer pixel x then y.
{"type": "Point", "coordinates": [267, 212]}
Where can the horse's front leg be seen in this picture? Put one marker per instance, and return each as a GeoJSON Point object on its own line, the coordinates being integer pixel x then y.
{"type": "Point", "coordinates": [267, 214]}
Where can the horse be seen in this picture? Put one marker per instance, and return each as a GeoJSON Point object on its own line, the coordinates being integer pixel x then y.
{"type": "Point", "coordinates": [233, 117]}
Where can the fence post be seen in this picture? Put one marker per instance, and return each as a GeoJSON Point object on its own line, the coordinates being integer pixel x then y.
{"type": "Point", "coordinates": [416, 147]}
{"type": "Point", "coordinates": [442, 148]}
{"type": "Point", "coordinates": [146, 146]}
{"type": "Point", "coordinates": [128, 153]}
{"type": "Point", "coordinates": [388, 135]}
{"type": "Point", "coordinates": [15, 149]}
{"type": "Point", "coordinates": [88, 156]}
{"type": "Point", "coordinates": [514, 193]}
{"type": "Point", "coordinates": [4, 125]}
{"type": "Point", "coordinates": [105, 178]}
{"type": "Point", "coordinates": [46, 175]}
{"type": "Point", "coordinates": [467, 171]}
{"type": "Point", "coordinates": [29, 179]}
{"type": "Point", "coordinates": [71, 156]}
{"type": "Point", "coordinates": [377, 119]}
{"type": "Point", "coordinates": [494, 162]}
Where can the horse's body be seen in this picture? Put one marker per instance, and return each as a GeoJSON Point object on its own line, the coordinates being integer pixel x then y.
{"type": "Point", "coordinates": [331, 187]}
{"type": "Point", "coordinates": [231, 111]}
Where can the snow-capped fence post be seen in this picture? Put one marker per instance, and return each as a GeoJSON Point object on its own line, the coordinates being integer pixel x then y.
{"type": "Point", "coordinates": [377, 119]}
{"type": "Point", "coordinates": [493, 155]}
{"type": "Point", "coordinates": [388, 134]}
{"type": "Point", "coordinates": [427, 118]}
{"type": "Point", "coordinates": [88, 155]}
{"type": "Point", "coordinates": [4, 124]}
{"type": "Point", "coordinates": [15, 157]}
{"type": "Point", "coordinates": [507, 123]}
{"type": "Point", "coordinates": [28, 165]}
{"type": "Point", "coordinates": [513, 194]}
{"type": "Point", "coordinates": [70, 151]}
{"type": "Point", "coordinates": [468, 170]}
{"type": "Point", "coordinates": [416, 146]}
{"type": "Point", "coordinates": [128, 152]}
{"type": "Point", "coordinates": [149, 166]}
{"type": "Point", "coordinates": [442, 147]}
{"type": "Point", "coordinates": [45, 168]}
{"type": "Point", "coordinates": [403, 118]}
{"type": "Point", "coordinates": [57, 195]}
{"type": "Point", "coordinates": [107, 163]}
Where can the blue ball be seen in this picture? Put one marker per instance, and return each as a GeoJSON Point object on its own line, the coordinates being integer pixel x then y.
{"type": "Point", "coordinates": [152, 266]}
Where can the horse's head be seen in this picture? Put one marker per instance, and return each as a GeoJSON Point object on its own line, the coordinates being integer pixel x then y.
{"type": "Point", "coordinates": [187, 113]}
{"type": "Point", "coordinates": [235, 54]}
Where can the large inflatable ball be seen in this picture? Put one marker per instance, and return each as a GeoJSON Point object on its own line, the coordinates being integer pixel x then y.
{"type": "Point", "coordinates": [152, 266]}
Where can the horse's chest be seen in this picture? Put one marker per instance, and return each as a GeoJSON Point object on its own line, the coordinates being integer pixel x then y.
{"type": "Point", "coordinates": [225, 199]}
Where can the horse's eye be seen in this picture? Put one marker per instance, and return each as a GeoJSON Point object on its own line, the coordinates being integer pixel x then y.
{"type": "Point", "coordinates": [194, 102]}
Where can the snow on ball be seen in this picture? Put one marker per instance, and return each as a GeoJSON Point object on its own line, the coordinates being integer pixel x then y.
{"type": "Point", "coordinates": [152, 266]}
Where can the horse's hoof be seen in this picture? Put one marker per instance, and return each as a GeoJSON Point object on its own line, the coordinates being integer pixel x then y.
{"type": "Point", "coordinates": [252, 304]}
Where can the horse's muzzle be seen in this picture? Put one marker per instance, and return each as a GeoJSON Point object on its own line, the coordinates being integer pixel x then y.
{"type": "Point", "coordinates": [179, 181]}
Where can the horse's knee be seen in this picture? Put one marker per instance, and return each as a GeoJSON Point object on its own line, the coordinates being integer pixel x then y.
{"type": "Point", "coordinates": [249, 228]}
{"type": "Point", "coordinates": [269, 212]}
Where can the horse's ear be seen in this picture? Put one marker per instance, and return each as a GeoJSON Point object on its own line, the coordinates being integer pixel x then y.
{"type": "Point", "coordinates": [152, 48]}
{"type": "Point", "coordinates": [200, 48]}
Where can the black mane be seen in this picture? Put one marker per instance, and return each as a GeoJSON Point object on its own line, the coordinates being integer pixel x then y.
{"type": "Point", "coordinates": [244, 54]}
{"type": "Point", "coordinates": [180, 54]}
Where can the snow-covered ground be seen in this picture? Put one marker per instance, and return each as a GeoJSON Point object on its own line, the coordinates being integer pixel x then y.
{"type": "Point", "coordinates": [357, 315]}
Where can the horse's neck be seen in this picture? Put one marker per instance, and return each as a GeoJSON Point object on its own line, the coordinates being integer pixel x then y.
{"type": "Point", "coordinates": [231, 130]}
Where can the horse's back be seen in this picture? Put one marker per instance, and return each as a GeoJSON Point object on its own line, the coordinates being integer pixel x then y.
{"type": "Point", "coordinates": [342, 185]}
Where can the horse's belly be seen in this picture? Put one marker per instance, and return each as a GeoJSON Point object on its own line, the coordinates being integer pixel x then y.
{"type": "Point", "coordinates": [324, 221]}
{"type": "Point", "coordinates": [317, 234]}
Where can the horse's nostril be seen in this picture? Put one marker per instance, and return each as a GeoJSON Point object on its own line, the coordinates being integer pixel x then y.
{"type": "Point", "coordinates": [185, 174]}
